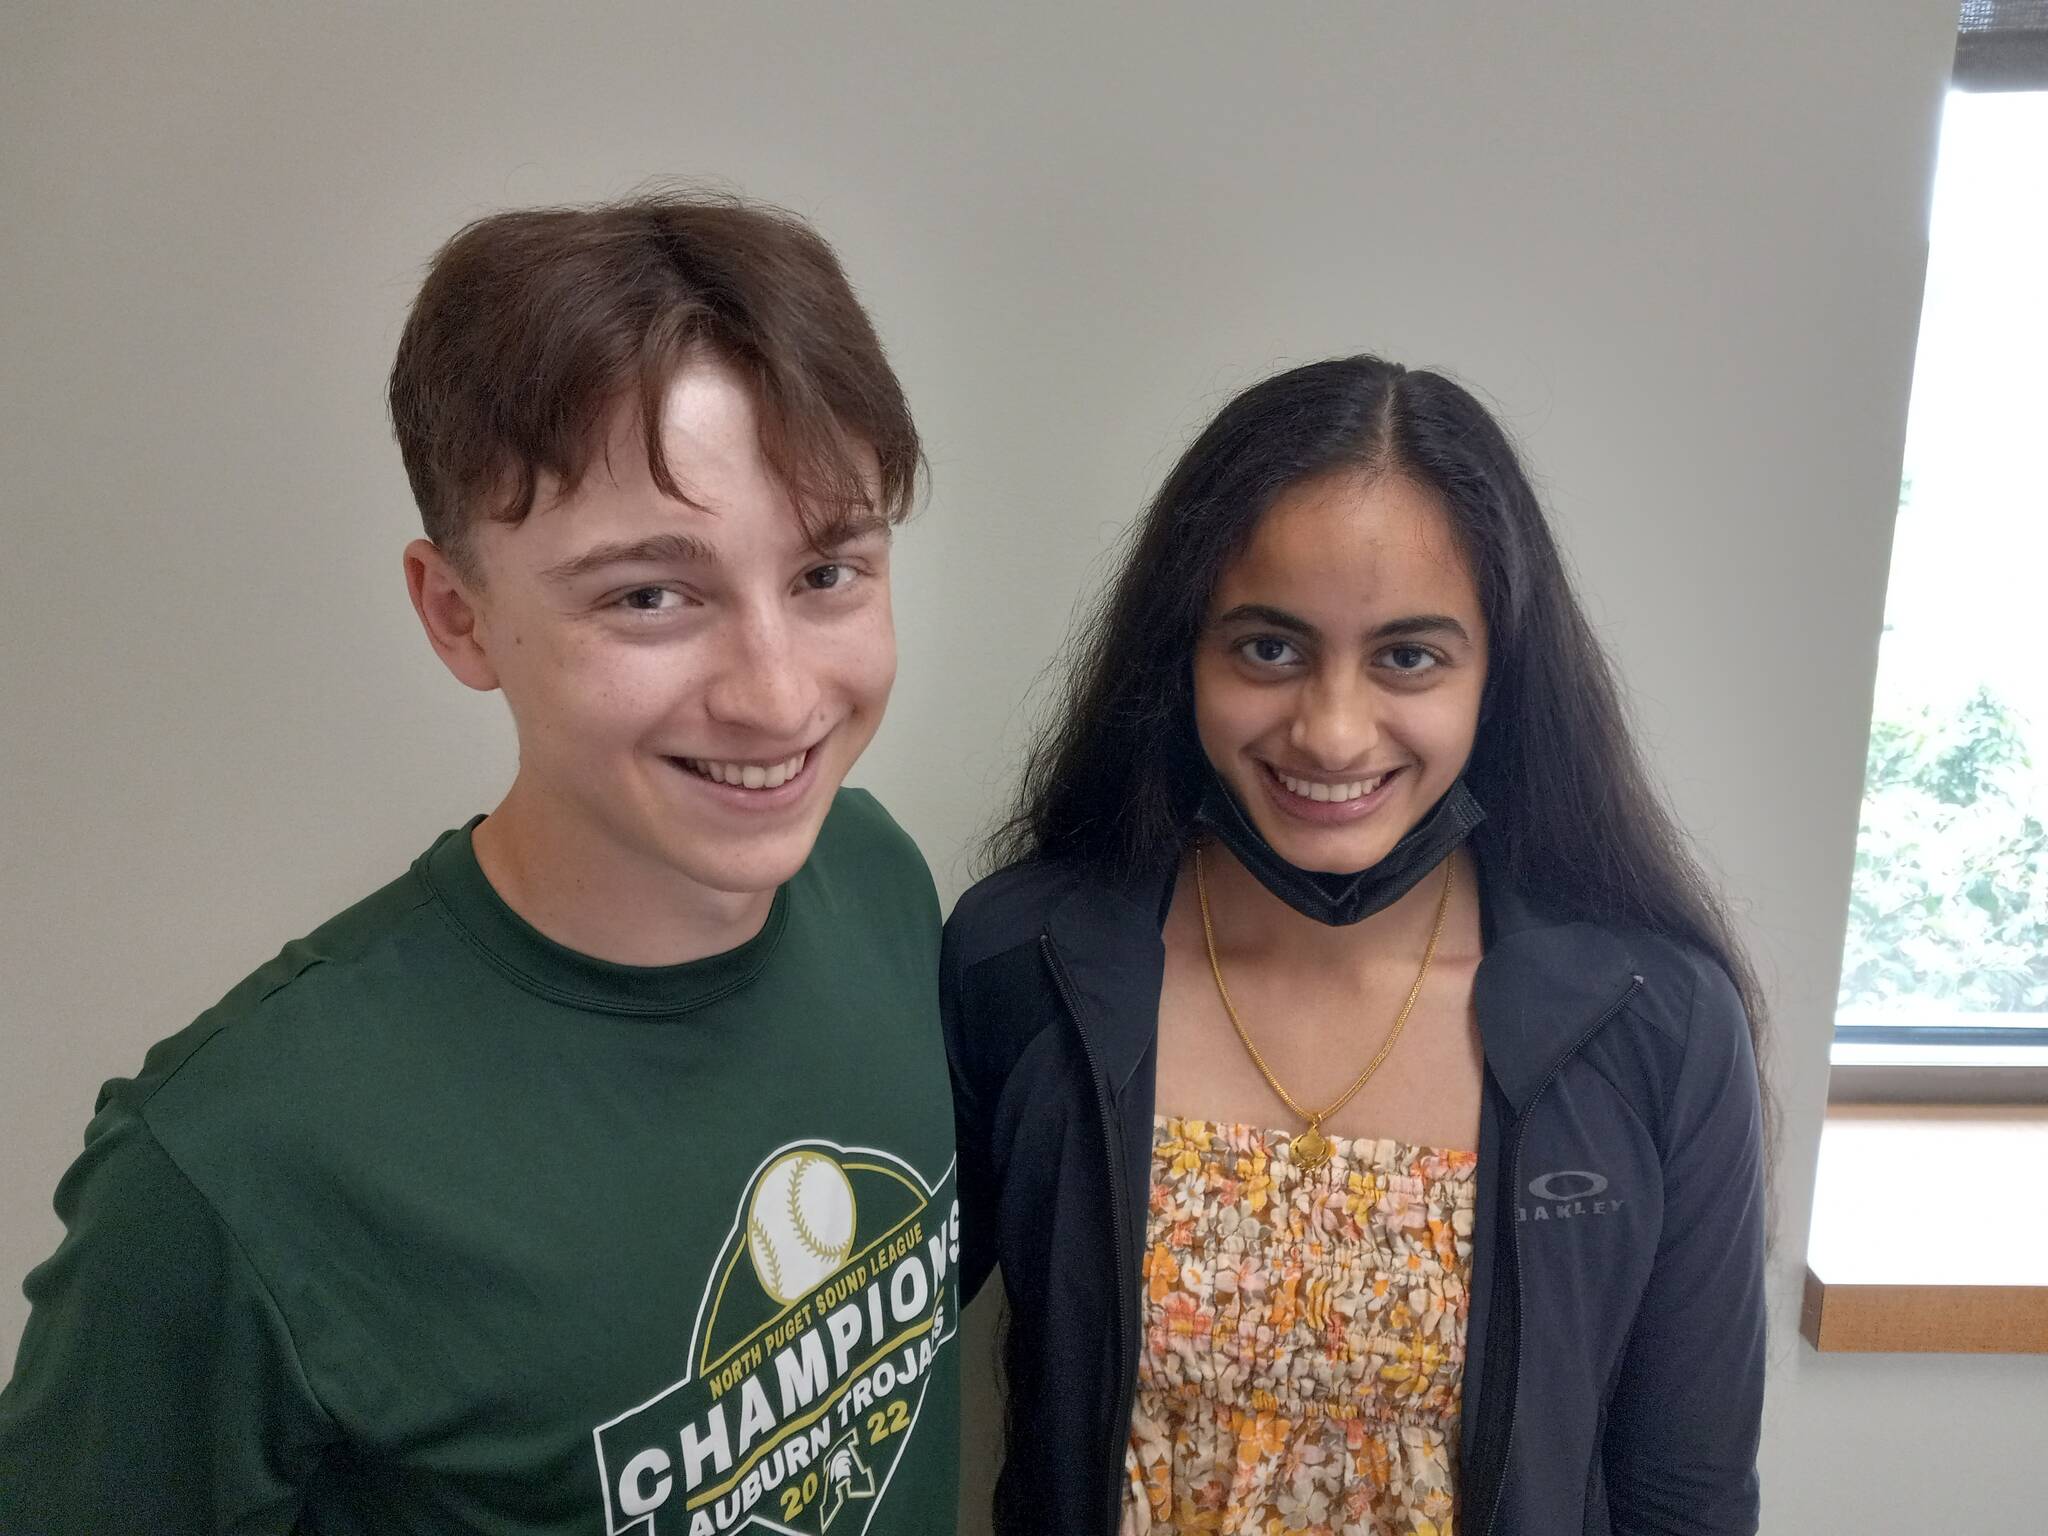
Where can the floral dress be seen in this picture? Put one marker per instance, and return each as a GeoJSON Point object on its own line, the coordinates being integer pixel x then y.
{"type": "Point", "coordinates": [1304, 1337]}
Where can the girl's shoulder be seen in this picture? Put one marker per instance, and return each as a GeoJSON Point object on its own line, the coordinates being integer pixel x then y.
{"type": "Point", "coordinates": [1022, 901]}
{"type": "Point", "coordinates": [1006, 908]}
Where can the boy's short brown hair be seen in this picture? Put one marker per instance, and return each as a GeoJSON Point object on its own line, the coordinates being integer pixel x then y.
{"type": "Point", "coordinates": [534, 324]}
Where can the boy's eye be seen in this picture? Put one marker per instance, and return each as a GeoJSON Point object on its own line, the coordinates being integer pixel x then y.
{"type": "Point", "coordinates": [822, 578]}
{"type": "Point", "coordinates": [650, 600]}
{"type": "Point", "coordinates": [1269, 651]}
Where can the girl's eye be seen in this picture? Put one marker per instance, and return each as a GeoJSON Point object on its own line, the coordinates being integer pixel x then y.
{"type": "Point", "coordinates": [1269, 651]}
{"type": "Point", "coordinates": [650, 600]}
{"type": "Point", "coordinates": [1411, 659]}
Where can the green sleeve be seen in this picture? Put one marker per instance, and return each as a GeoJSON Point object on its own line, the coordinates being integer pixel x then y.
{"type": "Point", "coordinates": [157, 1388]}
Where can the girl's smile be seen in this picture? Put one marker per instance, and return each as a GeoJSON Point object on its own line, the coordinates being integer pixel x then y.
{"type": "Point", "coordinates": [1338, 680]}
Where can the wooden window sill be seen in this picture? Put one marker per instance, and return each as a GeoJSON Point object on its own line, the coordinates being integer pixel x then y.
{"type": "Point", "coordinates": [1930, 1230]}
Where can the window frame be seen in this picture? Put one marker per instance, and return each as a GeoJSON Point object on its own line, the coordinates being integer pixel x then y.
{"type": "Point", "coordinates": [2002, 45]}
{"type": "Point", "coordinates": [1911, 1064]}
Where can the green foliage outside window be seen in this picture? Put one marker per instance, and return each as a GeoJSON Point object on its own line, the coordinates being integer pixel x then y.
{"type": "Point", "coordinates": [1950, 901]}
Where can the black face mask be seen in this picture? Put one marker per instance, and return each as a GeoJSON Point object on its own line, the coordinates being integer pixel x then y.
{"type": "Point", "coordinates": [1339, 900]}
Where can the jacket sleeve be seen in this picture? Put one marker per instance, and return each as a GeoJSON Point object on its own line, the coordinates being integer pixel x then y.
{"type": "Point", "coordinates": [1685, 1420]}
{"type": "Point", "coordinates": [970, 1124]}
{"type": "Point", "coordinates": [157, 1388]}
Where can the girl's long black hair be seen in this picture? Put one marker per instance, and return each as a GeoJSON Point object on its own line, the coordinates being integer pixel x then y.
{"type": "Point", "coordinates": [1571, 809]}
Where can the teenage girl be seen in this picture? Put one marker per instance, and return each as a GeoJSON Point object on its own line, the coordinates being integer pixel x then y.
{"type": "Point", "coordinates": [1354, 1067]}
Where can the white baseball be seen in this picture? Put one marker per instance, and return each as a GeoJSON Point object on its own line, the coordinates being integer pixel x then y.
{"type": "Point", "coordinates": [800, 1228]}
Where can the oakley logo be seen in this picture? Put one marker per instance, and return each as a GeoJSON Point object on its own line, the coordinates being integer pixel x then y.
{"type": "Point", "coordinates": [1570, 1184]}
{"type": "Point", "coordinates": [1568, 1193]}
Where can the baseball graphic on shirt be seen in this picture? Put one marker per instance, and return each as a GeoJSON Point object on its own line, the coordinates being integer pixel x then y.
{"type": "Point", "coordinates": [800, 1228]}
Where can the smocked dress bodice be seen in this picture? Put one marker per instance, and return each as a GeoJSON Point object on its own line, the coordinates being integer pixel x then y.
{"type": "Point", "coordinates": [1304, 1337]}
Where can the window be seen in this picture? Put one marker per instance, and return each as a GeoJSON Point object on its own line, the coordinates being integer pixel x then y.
{"type": "Point", "coordinates": [1945, 970]}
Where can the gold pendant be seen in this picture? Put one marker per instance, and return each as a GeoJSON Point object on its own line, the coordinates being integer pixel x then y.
{"type": "Point", "coordinates": [1311, 1148]}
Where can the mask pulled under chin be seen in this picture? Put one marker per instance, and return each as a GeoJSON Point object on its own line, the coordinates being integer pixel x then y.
{"type": "Point", "coordinates": [1339, 900]}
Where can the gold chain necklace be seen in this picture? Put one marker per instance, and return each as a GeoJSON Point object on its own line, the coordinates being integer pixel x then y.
{"type": "Point", "coordinates": [1311, 1149]}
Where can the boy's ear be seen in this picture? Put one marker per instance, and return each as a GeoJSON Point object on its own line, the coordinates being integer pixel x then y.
{"type": "Point", "coordinates": [447, 605]}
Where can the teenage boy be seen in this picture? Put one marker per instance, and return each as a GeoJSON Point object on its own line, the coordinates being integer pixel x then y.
{"type": "Point", "coordinates": [596, 1174]}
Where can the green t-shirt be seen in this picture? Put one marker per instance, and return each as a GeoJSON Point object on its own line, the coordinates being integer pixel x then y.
{"type": "Point", "coordinates": [432, 1225]}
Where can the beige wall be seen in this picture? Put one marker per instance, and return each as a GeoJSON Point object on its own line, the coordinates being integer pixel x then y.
{"type": "Point", "coordinates": [1681, 246]}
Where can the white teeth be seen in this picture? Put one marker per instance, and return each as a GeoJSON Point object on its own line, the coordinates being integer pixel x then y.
{"type": "Point", "coordinates": [1312, 789]}
{"type": "Point", "coordinates": [749, 775]}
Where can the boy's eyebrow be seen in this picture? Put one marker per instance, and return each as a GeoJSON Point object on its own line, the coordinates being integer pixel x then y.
{"type": "Point", "coordinates": [1393, 629]}
{"type": "Point", "coordinates": [656, 549]}
{"type": "Point", "coordinates": [845, 530]}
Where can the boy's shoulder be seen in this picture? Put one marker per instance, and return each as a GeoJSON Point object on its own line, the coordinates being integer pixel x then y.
{"type": "Point", "coordinates": [859, 821]}
{"type": "Point", "coordinates": [861, 842]}
{"type": "Point", "coordinates": [252, 1039]}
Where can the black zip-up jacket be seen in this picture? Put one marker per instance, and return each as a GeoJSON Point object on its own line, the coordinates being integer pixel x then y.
{"type": "Point", "coordinates": [1615, 1346]}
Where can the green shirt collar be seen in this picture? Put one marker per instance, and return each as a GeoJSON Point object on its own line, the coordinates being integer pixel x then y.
{"type": "Point", "coordinates": [540, 965]}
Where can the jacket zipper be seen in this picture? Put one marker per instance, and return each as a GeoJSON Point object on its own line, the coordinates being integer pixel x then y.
{"type": "Point", "coordinates": [1120, 1426]}
{"type": "Point", "coordinates": [1515, 1239]}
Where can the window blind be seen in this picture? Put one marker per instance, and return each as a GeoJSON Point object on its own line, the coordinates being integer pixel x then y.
{"type": "Point", "coordinates": [2002, 45]}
